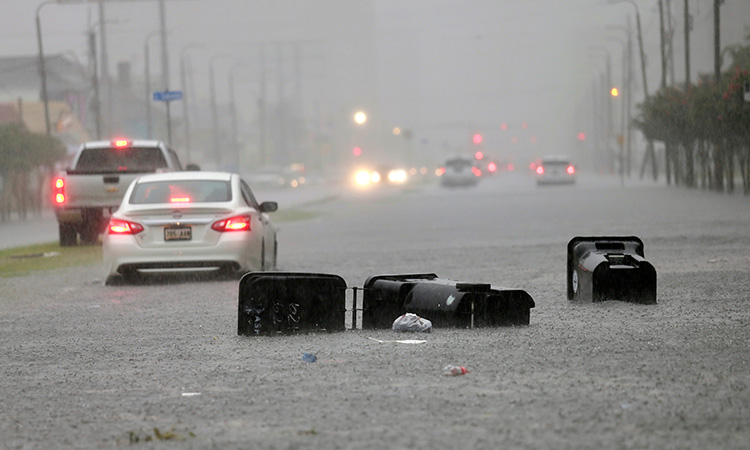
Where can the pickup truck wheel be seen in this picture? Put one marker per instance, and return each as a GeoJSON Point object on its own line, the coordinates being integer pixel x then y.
{"type": "Point", "coordinates": [92, 225]}
{"type": "Point", "coordinates": [67, 235]}
{"type": "Point", "coordinates": [90, 233]}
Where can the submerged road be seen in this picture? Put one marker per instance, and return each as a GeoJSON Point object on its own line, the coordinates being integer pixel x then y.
{"type": "Point", "coordinates": [89, 366]}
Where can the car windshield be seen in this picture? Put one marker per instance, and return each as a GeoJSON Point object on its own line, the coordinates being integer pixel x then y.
{"type": "Point", "coordinates": [140, 159]}
{"type": "Point", "coordinates": [181, 191]}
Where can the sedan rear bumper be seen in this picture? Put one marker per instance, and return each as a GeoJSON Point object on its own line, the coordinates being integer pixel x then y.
{"type": "Point", "coordinates": [123, 255]}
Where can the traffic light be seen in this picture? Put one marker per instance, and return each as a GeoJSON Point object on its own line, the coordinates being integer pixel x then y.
{"type": "Point", "coordinates": [356, 151]}
{"type": "Point", "coordinates": [477, 139]}
{"type": "Point", "coordinates": [478, 155]}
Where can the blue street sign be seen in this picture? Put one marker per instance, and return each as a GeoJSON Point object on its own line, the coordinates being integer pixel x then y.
{"type": "Point", "coordinates": [167, 96]}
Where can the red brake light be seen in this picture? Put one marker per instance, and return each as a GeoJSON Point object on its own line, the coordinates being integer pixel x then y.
{"type": "Point", "coordinates": [571, 170]}
{"type": "Point", "coordinates": [439, 172]}
{"type": "Point", "coordinates": [120, 143]}
{"type": "Point", "coordinates": [475, 170]}
{"type": "Point", "coordinates": [59, 191]}
{"type": "Point", "coordinates": [540, 170]}
{"type": "Point", "coordinates": [179, 200]}
{"type": "Point", "coordinates": [492, 167]}
{"type": "Point", "coordinates": [511, 167]}
{"type": "Point", "coordinates": [117, 226]}
{"type": "Point", "coordinates": [237, 223]}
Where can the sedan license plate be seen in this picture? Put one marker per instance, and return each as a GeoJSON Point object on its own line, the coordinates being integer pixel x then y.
{"type": "Point", "coordinates": [178, 233]}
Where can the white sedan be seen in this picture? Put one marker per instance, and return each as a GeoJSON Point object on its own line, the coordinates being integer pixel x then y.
{"type": "Point", "coordinates": [189, 221]}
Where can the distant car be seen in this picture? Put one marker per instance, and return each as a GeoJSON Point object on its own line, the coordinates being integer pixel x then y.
{"type": "Point", "coordinates": [459, 172]}
{"type": "Point", "coordinates": [555, 170]}
{"type": "Point", "coordinates": [189, 221]}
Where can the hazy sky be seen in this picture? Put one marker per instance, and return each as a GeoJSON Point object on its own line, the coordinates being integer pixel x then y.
{"type": "Point", "coordinates": [440, 68]}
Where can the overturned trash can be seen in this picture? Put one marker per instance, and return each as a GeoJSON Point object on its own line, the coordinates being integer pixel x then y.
{"type": "Point", "coordinates": [446, 303]}
{"type": "Point", "coordinates": [610, 268]}
{"type": "Point", "coordinates": [284, 302]}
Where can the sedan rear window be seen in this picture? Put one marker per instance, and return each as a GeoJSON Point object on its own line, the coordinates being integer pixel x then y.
{"type": "Point", "coordinates": [185, 191]}
{"type": "Point", "coordinates": [130, 159]}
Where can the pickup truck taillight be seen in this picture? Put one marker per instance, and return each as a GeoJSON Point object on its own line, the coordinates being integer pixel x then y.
{"type": "Point", "coordinates": [59, 191]}
{"type": "Point", "coordinates": [117, 226]}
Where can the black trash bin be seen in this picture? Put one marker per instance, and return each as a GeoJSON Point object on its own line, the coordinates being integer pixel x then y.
{"type": "Point", "coordinates": [283, 302]}
{"type": "Point", "coordinates": [610, 268]}
{"type": "Point", "coordinates": [446, 303]}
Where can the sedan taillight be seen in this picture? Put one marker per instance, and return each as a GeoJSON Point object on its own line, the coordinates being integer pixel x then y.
{"type": "Point", "coordinates": [236, 223]}
{"type": "Point", "coordinates": [117, 226]}
{"type": "Point", "coordinates": [571, 170]}
{"type": "Point", "coordinates": [540, 170]}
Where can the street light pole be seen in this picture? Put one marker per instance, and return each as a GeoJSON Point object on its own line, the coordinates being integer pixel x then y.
{"type": "Point", "coordinates": [687, 44]}
{"type": "Point", "coordinates": [214, 113]}
{"type": "Point", "coordinates": [95, 82]}
{"type": "Point", "coordinates": [186, 95]}
{"type": "Point", "coordinates": [233, 114]}
{"type": "Point", "coordinates": [164, 51]}
{"type": "Point", "coordinates": [650, 153]}
{"type": "Point", "coordinates": [147, 76]}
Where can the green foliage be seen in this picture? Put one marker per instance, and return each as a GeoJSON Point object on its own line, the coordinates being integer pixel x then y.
{"type": "Point", "coordinates": [704, 112]}
{"type": "Point", "coordinates": [22, 150]}
{"type": "Point", "coordinates": [21, 261]}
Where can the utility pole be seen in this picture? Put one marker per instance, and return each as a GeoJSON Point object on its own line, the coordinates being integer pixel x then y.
{"type": "Point", "coordinates": [105, 69]}
{"type": "Point", "coordinates": [42, 69]}
{"type": "Point", "coordinates": [670, 42]}
{"type": "Point", "coordinates": [147, 79]}
{"type": "Point", "coordinates": [262, 106]}
{"type": "Point", "coordinates": [164, 51]}
{"type": "Point", "coordinates": [717, 40]}
{"type": "Point", "coordinates": [629, 100]}
{"type": "Point", "coordinates": [662, 45]}
{"type": "Point", "coordinates": [95, 82]}
{"type": "Point", "coordinates": [281, 155]}
{"type": "Point", "coordinates": [688, 26]}
{"type": "Point", "coordinates": [214, 114]}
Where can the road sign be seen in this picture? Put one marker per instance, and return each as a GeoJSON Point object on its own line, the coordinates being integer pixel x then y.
{"type": "Point", "coordinates": [167, 96]}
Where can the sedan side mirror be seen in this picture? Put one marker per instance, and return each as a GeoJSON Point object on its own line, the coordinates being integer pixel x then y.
{"type": "Point", "coordinates": [269, 207]}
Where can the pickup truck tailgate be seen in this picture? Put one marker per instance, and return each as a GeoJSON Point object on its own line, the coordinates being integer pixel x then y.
{"type": "Point", "coordinates": [97, 190]}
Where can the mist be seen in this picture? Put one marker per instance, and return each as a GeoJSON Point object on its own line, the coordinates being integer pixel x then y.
{"type": "Point", "coordinates": [519, 73]}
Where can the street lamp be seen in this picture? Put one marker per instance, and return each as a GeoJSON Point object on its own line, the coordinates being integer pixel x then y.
{"type": "Point", "coordinates": [360, 118]}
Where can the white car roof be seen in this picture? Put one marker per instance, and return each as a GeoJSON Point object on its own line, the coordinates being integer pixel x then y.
{"type": "Point", "coordinates": [188, 175]}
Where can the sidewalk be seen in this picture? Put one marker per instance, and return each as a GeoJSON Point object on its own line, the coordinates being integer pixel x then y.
{"type": "Point", "coordinates": [36, 229]}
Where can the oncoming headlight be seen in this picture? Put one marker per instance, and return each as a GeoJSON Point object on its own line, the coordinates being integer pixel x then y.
{"type": "Point", "coordinates": [397, 176]}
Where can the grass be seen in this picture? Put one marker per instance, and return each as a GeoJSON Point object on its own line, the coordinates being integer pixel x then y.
{"type": "Point", "coordinates": [21, 261]}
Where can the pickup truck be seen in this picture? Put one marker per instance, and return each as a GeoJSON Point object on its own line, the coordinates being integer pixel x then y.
{"type": "Point", "coordinates": [92, 188]}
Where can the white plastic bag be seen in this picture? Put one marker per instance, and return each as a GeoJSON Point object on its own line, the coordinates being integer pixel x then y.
{"type": "Point", "coordinates": [412, 322]}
